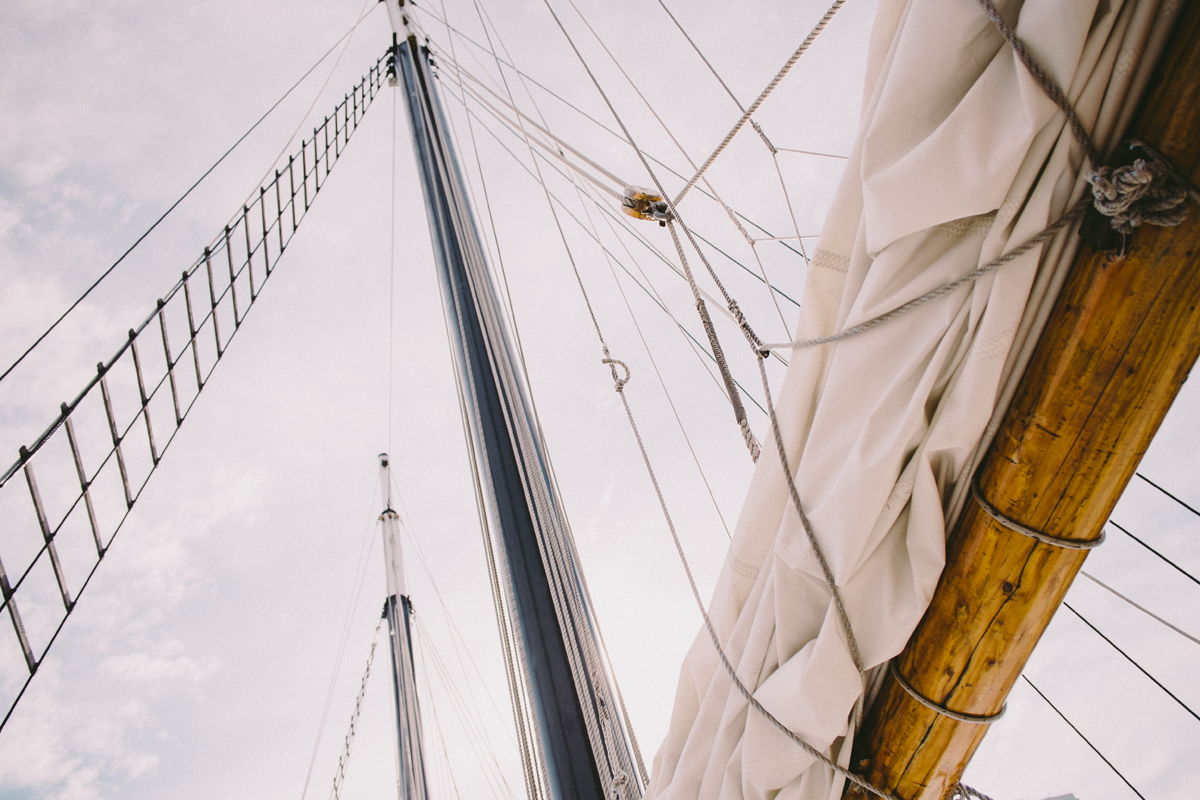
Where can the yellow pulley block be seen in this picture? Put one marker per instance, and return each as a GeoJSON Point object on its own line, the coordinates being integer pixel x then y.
{"type": "Point", "coordinates": [646, 204]}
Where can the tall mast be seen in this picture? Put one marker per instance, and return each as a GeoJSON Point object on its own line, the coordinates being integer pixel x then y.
{"type": "Point", "coordinates": [410, 774]}
{"type": "Point", "coordinates": [584, 750]}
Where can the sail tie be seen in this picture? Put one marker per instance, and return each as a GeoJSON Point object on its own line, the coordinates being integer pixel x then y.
{"type": "Point", "coordinates": [1150, 190]}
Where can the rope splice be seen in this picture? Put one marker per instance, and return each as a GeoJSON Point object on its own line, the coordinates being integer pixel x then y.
{"type": "Point", "coordinates": [645, 204]}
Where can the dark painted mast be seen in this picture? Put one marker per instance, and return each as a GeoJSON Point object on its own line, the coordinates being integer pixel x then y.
{"type": "Point", "coordinates": [581, 747]}
{"type": "Point", "coordinates": [410, 762]}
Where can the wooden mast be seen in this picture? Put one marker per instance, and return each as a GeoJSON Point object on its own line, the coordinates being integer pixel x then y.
{"type": "Point", "coordinates": [1120, 341]}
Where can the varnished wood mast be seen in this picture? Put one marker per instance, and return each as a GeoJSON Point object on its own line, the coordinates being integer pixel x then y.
{"type": "Point", "coordinates": [1122, 337]}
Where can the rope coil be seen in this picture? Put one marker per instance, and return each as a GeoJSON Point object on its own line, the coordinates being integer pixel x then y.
{"type": "Point", "coordinates": [1150, 190]}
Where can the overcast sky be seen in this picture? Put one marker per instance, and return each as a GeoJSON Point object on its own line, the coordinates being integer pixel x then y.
{"type": "Point", "coordinates": [198, 662]}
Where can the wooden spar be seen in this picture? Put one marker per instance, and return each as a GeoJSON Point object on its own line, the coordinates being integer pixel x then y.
{"type": "Point", "coordinates": [1120, 341]}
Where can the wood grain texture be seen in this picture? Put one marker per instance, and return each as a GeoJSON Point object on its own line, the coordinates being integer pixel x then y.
{"type": "Point", "coordinates": [1121, 340]}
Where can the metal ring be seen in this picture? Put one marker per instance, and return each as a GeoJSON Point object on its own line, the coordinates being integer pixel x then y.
{"type": "Point", "coordinates": [1045, 538]}
{"type": "Point", "coordinates": [972, 719]}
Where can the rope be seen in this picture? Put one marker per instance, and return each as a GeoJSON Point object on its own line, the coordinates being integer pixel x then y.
{"type": "Point", "coordinates": [972, 276]}
{"type": "Point", "coordinates": [1146, 191]}
{"type": "Point", "coordinates": [812, 36]}
{"type": "Point", "coordinates": [712, 633]}
{"type": "Point", "coordinates": [175, 205]}
{"type": "Point", "coordinates": [1143, 609]}
{"type": "Point", "coordinates": [739, 410]}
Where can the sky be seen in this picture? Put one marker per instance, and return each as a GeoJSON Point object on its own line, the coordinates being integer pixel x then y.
{"type": "Point", "coordinates": [199, 661]}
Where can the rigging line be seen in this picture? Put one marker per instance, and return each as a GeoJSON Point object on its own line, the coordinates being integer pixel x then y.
{"type": "Point", "coordinates": [355, 593]}
{"type": "Point", "coordinates": [557, 153]}
{"type": "Point", "coordinates": [787, 197]}
{"type": "Point", "coordinates": [652, 294]}
{"type": "Point", "coordinates": [613, 133]}
{"type": "Point", "coordinates": [509, 126]}
{"type": "Point", "coordinates": [752, 444]}
{"type": "Point", "coordinates": [1081, 736]}
{"type": "Point", "coordinates": [695, 344]}
{"type": "Point", "coordinates": [567, 598]}
{"type": "Point", "coordinates": [432, 706]}
{"type": "Point", "coordinates": [605, 128]}
{"type": "Point", "coordinates": [476, 733]}
{"type": "Point", "coordinates": [1168, 494]}
{"type": "Point", "coordinates": [811, 153]}
{"type": "Point", "coordinates": [1131, 661]}
{"type": "Point", "coordinates": [1189, 576]}
{"type": "Point", "coordinates": [708, 624]}
{"type": "Point", "coordinates": [658, 374]}
{"type": "Point", "coordinates": [437, 724]}
{"type": "Point", "coordinates": [729, 212]}
{"type": "Point", "coordinates": [455, 632]}
{"type": "Point", "coordinates": [711, 69]}
{"type": "Point", "coordinates": [650, 355]}
{"type": "Point", "coordinates": [174, 205]}
{"type": "Point", "coordinates": [362, 14]}
{"type": "Point", "coordinates": [1144, 610]}
{"type": "Point", "coordinates": [812, 36]}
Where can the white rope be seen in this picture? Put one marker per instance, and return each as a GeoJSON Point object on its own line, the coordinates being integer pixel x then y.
{"type": "Point", "coordinates": [812, 36]}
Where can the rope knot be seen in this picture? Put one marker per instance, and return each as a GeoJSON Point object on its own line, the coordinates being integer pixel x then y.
{"type": "Point", "coordinates": [618, 383]}
{"type": "Point", "coordinates": [1146, 191]}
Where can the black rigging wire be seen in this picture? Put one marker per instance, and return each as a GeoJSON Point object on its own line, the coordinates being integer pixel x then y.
{"type": "Point", "coordinates": [1085, 739]}
{"type": "Point", "coordinates": [1131, 661]}
{"type": "Point", "coordinates": [174, 205]}
{"type": "Point", "coordinates": [1168, 494]}
{"type": "Point", "coordinates": [1189, 575]}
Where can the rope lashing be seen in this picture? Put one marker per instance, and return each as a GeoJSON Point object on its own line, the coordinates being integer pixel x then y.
{"type": "Point", "coordinates": [958, 716]}
{"type": "Point", "coordinates": [1150, 190]}
{"type": "Point", "coordinates": [1044, 538]}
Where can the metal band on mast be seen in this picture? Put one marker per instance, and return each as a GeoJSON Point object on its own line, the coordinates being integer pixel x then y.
{"type": "Point", "coordinates": [583, 746]}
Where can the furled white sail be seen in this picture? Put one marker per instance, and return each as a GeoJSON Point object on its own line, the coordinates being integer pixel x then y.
{"type": "Point", "coordinates": [960, 157]}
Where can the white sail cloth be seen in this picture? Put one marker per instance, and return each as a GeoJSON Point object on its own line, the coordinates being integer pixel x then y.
{"type": "Point", "coordinates": [960, 157]}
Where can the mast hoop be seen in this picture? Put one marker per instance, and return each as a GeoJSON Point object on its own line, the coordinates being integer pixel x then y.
{"type": "Point", "coordinates": [1044, 538]}
{"type": "Point", "coordinates": [958, 716]}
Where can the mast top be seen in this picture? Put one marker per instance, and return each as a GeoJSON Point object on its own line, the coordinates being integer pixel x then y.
{"type": "Point", "coordinates": [398, 15]}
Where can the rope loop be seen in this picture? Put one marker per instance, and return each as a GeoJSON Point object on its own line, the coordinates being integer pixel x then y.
{"type": "Point", "coordinates": [618, 383]}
